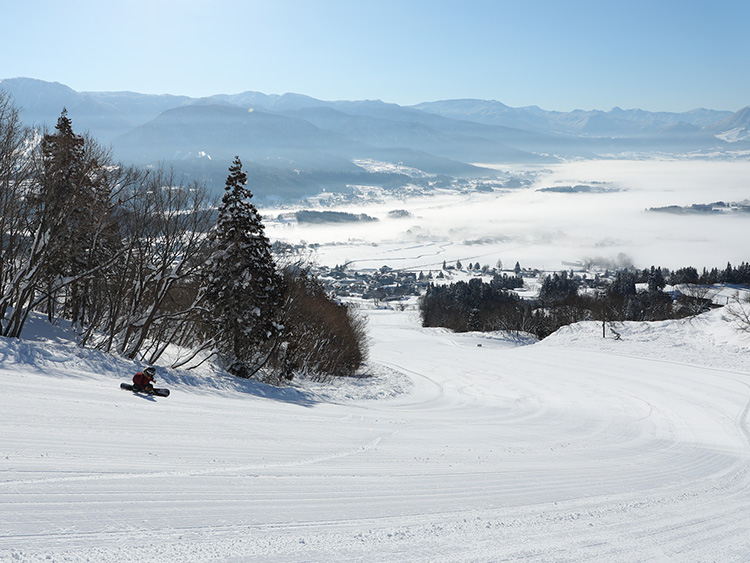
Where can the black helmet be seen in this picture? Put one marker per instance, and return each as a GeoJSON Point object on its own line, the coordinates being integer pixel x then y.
{"type": "Point", "coordinates": [150, 370]}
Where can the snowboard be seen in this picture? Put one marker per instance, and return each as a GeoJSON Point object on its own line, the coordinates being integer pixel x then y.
{"type": "Point", "coordinates": [157, 392]}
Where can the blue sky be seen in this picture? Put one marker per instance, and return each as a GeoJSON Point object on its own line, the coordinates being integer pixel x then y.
{"type": "Point", "coordinates": [558, 54]}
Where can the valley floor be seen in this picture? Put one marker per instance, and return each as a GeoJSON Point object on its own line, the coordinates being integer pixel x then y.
{"type": "Point", "coordinates": [461, 448]}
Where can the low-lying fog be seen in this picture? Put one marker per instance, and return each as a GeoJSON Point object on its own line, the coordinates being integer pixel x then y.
{"type": "Point", "coordinates": [544, 229]}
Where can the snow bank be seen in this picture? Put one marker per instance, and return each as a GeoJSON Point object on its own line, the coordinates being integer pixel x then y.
{"type": "Point", "coordinates": [51, 350]}
{"type": "Point", "coordinates": [708, 339]}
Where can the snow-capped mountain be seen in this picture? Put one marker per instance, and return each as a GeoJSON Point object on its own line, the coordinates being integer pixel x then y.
{"type": "Point", "coordinates": [294, 144]}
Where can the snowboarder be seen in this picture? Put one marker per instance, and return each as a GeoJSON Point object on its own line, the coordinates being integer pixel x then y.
{"type": "Point", "coordinates": [143, 380]}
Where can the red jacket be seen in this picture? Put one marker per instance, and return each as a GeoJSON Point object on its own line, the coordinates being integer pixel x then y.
{"type": "Point", "coordinates": [142, 380]}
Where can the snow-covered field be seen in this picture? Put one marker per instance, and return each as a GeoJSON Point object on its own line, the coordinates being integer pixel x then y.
{"type": "Point", "coordinates": [544, 229]}
{"type": "Point", "coordinates": [458, 448]}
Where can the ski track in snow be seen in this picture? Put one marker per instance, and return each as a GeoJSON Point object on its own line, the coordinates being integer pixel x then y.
{"type": "Point", "coordinates": [572, 449]}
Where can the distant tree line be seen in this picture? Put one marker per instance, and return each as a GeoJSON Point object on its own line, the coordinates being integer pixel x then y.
{"type": "Point", "coordinates": [143, 265]}
{"type": "Point", "coordinates": [734, 275]}
{"type": "Point", "coordinates": [564, 299]}
{"type": "Point", "coordinates": [477, 305]}
{"type": "Point", "coordinates": [308, 216]}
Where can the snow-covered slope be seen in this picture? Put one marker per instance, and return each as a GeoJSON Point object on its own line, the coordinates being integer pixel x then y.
{"type": "Point", "coordinates": [735, 127]}
{"type": "Point", "coordinates": [459, 448]}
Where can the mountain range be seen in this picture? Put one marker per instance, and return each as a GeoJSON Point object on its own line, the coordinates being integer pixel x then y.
{"type": "Point", "coordinates": [293, 145]}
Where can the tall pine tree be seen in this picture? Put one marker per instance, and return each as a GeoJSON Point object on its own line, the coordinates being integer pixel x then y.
{"type": "Point", "coordinates": [68, 191]}
{"type": "Point", "coordinates": [243, 286]}
{"type": "Point", "coordinates": [77, 180]}
{"type": "Point", "coordinates": [69, 204]}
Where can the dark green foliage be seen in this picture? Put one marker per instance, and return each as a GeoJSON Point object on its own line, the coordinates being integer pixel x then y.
{"type": "Point", "coordinates": [557, 289]}
{"type": "Point", "coordinates": [738, 276]}
{"type": "Point", "coordinates": [77, 198]}
{"type": "Point", "coordinates": [307, 216]}
{"type": "Point", "coordinates": [242, 288]}
{"type": "Point", "coordinates": [684, 275]}
{"type": "Point", "coordinates": [655, 280]}
{"type": "Point", "coordinates": [475, 305]}
{"type": "Point", "coordinates": [623, 284]}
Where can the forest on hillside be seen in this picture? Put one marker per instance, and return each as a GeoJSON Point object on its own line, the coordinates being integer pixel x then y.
{"type": "Point", "coordinates": [147, 267]}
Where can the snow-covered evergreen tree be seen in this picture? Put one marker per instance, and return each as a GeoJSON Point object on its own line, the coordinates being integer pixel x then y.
{"type": "Point", "coordinates": [242, 288]}
{"type": "Point", "coordinates": [69, 235]}
{"type": "Point", "coordinates": [70, 197]}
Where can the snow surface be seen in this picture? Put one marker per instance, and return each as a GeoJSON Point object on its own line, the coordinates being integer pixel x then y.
{"type": "Point", "coordinates": [473, 447]}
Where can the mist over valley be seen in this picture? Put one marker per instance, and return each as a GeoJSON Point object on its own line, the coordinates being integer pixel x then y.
{"type": "Point", "coordinates": [541, 186]}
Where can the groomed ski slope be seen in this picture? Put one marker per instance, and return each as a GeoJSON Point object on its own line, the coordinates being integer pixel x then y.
{"type": "Point", "coordinates": [572, 449]}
